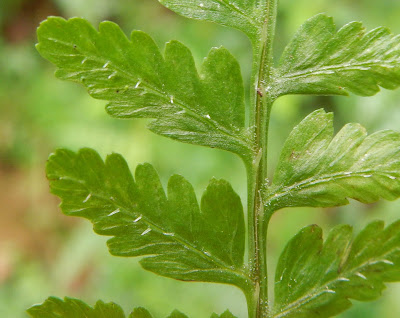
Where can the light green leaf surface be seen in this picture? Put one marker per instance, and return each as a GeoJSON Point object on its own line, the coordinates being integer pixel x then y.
{"type": "Point", "coordinates": [180, 239]}
{"type": "Point", "coordinates": [55, 307]}
{"type": "Point", "coordinates": [243, 15]}
{"type": "Point", "coordinates": [316, 279]}
{"type": "Point", "coordinates": [205, 108]}
{"type": "Point", "coordinates": [320, 60]}
{"type": "Point", "coordinates": [319, 170]}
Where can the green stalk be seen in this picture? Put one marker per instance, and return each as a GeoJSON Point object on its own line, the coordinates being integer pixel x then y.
{"type": "Point", "coordinates": [258, 219]}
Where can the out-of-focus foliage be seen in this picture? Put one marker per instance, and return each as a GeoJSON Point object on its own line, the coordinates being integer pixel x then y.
{"type": "Point", "coordinates": [40, 113]}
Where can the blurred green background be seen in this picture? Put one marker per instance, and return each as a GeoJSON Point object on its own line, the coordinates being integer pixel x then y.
{"type": "Point", "coordinates": [44, 253]}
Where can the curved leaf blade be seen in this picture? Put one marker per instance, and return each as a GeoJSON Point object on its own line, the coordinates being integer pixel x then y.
{"type": "Point", "coordinates": [321, 61]}
{"type": "Point", "coordinates": [55, 307]}
{"type": "Point", "coordinates": [204, 108]}
{"type": "Point", "coordinates": [320, 171]}
{"type": "Point", "coordinates": [239, 14]}
{"type": "Point", "coordinates": [179, 239]}
{"type": "Point", "coordinates": [316, 279]}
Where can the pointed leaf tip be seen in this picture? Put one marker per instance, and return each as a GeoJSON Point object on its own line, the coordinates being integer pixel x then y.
{"type": "Point", "coordinates": [177, 314]}
{"type": "Point", "coordinates": [225, 314]}
{"type": "Point", "coordinates": [140, 312]}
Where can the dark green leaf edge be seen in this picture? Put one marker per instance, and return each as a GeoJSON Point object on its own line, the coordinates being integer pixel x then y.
{"type": "Point", "coordinates": [68, 307]}
{"type": "Point", "coordinates": [317, 279]}
{"type": "Point", "coordinates": [134, 213]}
{"type": "Point", "coordinates": [322, 61]}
